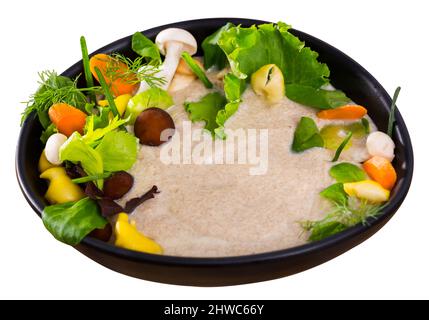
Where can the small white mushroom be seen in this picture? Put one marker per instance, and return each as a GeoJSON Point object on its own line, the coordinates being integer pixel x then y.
{"type": "Point", "coordinates": [172, 42]}
{"type": "Point", "coordinates": [52, 148]}
{"type": "Point", "coordinates": [380, 144]}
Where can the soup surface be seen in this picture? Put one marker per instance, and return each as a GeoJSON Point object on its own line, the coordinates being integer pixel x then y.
{"type": "Point", "coordinates": [216, 210]}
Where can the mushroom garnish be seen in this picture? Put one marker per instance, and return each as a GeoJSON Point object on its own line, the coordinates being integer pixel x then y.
{"type": "Point", "coordinates": [172, 42]}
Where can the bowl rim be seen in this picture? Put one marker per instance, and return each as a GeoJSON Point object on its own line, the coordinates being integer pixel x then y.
{"type": "Point", "coordinates": [306, 249]}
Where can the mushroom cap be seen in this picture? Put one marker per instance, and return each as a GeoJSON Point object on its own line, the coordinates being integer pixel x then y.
{"type": "Point", "coordinates": [177, 35]}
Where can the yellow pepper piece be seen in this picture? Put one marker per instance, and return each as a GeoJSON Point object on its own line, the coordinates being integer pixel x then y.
{"type": "Point", "coordinates": [368, 190]}
{"type": "Point", "coordinates": [121, 103]}
{"type": "Point", "coordinates": [61, 189]}
{"type": "Point", "coordinates": [44, 164]}
{"type": "Point", "coordinates": [128, 237]}
{"type": "Point", "coordinates": [268, 81]}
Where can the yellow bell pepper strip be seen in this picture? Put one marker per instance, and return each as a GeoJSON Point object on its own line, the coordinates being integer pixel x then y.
{"type": "Point", "coordinates": [128, 237]}
{"type": "Point", "coordinates": [367, 190]}
{"type": "Point", "coordinates": [44, 164]}
{"type": "Point", "coordinates": [61, 188]}
{"type": "Point", "coordinates": [121, 103]}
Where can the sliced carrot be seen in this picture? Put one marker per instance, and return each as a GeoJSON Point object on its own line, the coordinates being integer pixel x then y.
{"type": "Point", "coordinates": [381, 170]}
{"type": "Point", "coordinates": [349, 112]}
{"type": "Point", "coordinates": [67, 119]}
{"type": "Point", "coordinates": [118, 85]}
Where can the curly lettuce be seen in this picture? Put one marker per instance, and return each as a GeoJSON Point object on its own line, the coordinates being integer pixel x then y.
{"type": "Point", "coordinates": [249, 48]}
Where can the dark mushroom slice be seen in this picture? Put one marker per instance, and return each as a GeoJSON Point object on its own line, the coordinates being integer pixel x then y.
{"type": "Point", "coordinates": [154, 126]}
{"type": "Point", "coordinates": [117, 185]}
{"type": "Point", "coordinates": [102, 234]}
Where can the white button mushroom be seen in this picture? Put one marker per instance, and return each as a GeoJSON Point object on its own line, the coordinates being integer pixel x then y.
{"type": "Point", "coordinates": [380, 144]}
{"type": "Point", "coordinates": [52, 148]}
{"type": "Point", "coordinates": [172, 42]}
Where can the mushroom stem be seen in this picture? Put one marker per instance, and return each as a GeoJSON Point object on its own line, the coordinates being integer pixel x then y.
{"type": "Point", "coordinates": [168, 68]}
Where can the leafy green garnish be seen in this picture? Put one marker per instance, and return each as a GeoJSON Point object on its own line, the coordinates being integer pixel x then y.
{"type": "Point", "coordinates": [342, 146]}
{"type": "Point", "coordinates": [206, 110]}
{"type": "Point", "coordinates": [365, 124]}
{"type": "Point", "coordinates": [118, 150]}
{"type": "Point", "coordinates": [316, 97]}
{"type": "Point", "coordinates": [234, 88]}
{"type": "Point", "coordinates": [99, 120]}
{"type": "Point", "coordinates": [335, 193]}
{"type": "Point", "coordinates": [343, 216]}
{"type": "Point", "coordinates": [71, 222]}
{"type": "Point", "coordinates": [144, 47]}
{"type": "Point", "coordinates": [107, 92]}
{"type": "Point", "coordinates": [49, 131]}
{"type": "Point", "coordinates": [92, 177]}
{"type": "Point", "coordinates": [347, 172]}
{"type": "Point", "coordinates": [248, 49]}
{"type": "Point", "coordinates": [136, 71]}
{"type": "Point", "coordinates": [152, 98]}
{"type": "Point", "coordinates": [54, 89]}
{"type": "Point", "coordinates": [213, 54]}
{"type": "Point", "coordinates": [77, 151]}
{"type": "Point", "coordinates": [306, 135]}
{"type": "Point", "coordinates": [86, 69]}
{"type": "Point", "coordinates": [92, 136]}
{"type": "Point", "coordinates": [392, 112]}
{"type": "Point", "coordinates": [197, 70]}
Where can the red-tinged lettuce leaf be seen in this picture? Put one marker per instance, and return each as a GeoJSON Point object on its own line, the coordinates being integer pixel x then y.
{"type": "Point", "coordinates": [132, 204]}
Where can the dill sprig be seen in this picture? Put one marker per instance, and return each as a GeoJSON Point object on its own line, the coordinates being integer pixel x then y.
{"type": "Point", "coordinates": [136, 71]}
{"type": "Point", "coordinates": [55, 89]}
{"type": "Point", "coordinates": [342, 216]}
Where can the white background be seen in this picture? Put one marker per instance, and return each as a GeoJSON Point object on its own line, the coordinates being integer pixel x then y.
{"type": "Point", "coordinates": [389, 38]}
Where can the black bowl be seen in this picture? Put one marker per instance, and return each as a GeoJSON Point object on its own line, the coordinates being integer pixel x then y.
{"type": "Point", "coordinates": [346, 74]}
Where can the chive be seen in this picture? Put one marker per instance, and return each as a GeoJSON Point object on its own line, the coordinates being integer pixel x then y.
{"type": "Point", "coordinates": [86, 69]}
{"type": "Point", "coordinates": [107, 93]}
{"type": "Point", "coordinates": [392, 112]}
{"type": "Point", "coordinates": [342, 146]}
{"type": "Point", "coordinates": [197, 69]}
{"type": "Point", "coordinates": [365, 124]}
{"type": "Point", "coordinates": [92, 177]}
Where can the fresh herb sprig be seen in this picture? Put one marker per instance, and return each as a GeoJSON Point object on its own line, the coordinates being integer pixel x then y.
{"type": "Point", "coordinates": [136, 71]}
{"type": "Point", "coordinates": [392, 112]}
{"type": "Point", "coordinates": [342, 146]}
{"type": "Point", "coordinates": [197, 70]}
{"type": "Point", "coordinates": [343, 216]}
{"type": "Point", "coordinates": [55, 89]}
{"type": "Point", "coordinates": [86, 69]}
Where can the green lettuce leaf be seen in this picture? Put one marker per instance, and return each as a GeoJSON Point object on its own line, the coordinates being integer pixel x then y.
{"type": "Point", "coordinates": [234, 88]}
{"type": "Point", "coordinates": [306, 135]}
{"type": "Point", "coordinates": [213, 54]}
{"type": "Point", "coordinates": [316, 97]}
{"type": "Point", "coordinates": [324, 229]}
{"type": "Point", "coordinates": [71, 222]}
{"type": "Point", "coordinates": [248, 49]}
{"type": "Point", "coordinates": [77, 151]}
{"type": "Point", "coordinates": [152, 98]}
{"type": "Point", "coordinates": [335, 193]}
{"type": "Point", "coordinates": [145, 48]}
{"type": "Point", "coordinates": [206, 110]}
{"type": "Point", "coordinates": [347, 172]}
{"type": "Point", "coordinates": [93, 136]}
{"type": "Point", "coordinates": [118, 150]}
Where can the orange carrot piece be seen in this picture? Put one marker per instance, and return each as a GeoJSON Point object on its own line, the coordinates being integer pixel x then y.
{"type": "Point", "coordinates": [67, 119]}
{"type": "Point", "coordinates": [118, 86]}
{"type": "Point", "coordinates": [349, 112]}
{"type": "Point", "coordinates": [381, 170]}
